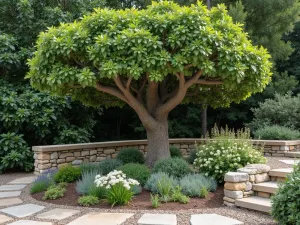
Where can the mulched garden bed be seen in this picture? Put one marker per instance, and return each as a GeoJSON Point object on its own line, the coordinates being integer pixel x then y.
{"type": "Point", "coordinates": [141, 201]}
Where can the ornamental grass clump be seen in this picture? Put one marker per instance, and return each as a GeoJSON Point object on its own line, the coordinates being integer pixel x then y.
{"type": "Point", "coordinates": [118, 187]}
{"type": "Point", "coordinates": [152, 183]}
{"type": "Point", "coordinates": [227, 151]}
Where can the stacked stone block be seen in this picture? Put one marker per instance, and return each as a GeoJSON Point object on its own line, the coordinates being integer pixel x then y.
{"type": "Point", "coordinates": [239, 184]}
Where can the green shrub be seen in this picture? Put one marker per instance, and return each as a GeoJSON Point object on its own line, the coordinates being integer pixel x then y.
{"type": "Point", "coordinates": [286, 204]}
{"type": "Point", "coordinates": [228, 151]}
{"type": "Point", "coordinates": [192, 157]}
{"type": "Point", "coordinates": [131, 155]}
{"type": "Point", "coordinates": [118, 195]}
{"type": "Point", "coordinates": [43, 181]}
{"type": "Point", "coordinates": [136, 171]}
{"type": "Point", "coordinates": [191, 184]}
{"type": "Point", "coordinates": [99, 192]}
{"type": "Point", "coordinates": [276, 132]}
{"type": "Point", "coordinates": [176, 167]}
{"type": "Point", "coordinates": [86, 182]}
{"type": "Point", "coordinates": [54, 192]}
{"type": "Point", "coordinates": [108, 165]}
{"type": "Point", "coordinates": [90, 168]}
{"type": "Point", "coordinates": [14, 152]}
{"type": "Point", "coordinates": [155, 201]}
{"type": "Point", "coordinates": [88, 200]}
{"type": "Point", "coordinates": [283, 110]}
{"type": "Point", "coordinates": [67, 174]}
{"type": "Point", "coordinates": [203, 192]}
{"type": "Point", "coordinates": [152, 182]}
{"type": "Point", "coordinates": [175, 152]}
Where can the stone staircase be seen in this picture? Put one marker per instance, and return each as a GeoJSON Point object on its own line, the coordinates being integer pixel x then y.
{"type": "Point", "coordinates": [262, 192]}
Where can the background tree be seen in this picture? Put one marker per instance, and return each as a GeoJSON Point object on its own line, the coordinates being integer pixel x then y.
{"type": "Point", "coordinates": [152, 60]}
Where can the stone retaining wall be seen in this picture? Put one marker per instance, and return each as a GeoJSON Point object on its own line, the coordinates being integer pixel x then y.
{"type": "Point", "coordinates": [55, 156]}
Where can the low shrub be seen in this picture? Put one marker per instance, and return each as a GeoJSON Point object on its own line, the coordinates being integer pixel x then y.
{"type": "Point", "coordinates": [108, 165]}
{"type": "Point", "coordinates": [176, 167]}
{"type": "Point", "coordinates": [88, 200]}
{"type": "Point", "coordinates": [54, 192]}
{"type": "Point", "coordinates": [43, 181]}
{"type": "Point", "coordinates": [285, 203]}
{"type": "Point", "coordinates": [153, 181]}
{"type": "Point", "coordinates": [155, 201]}
{"type": "Point", "coordinates": [228, 151]}
{"type": "Point", "coordinates": [90, 168]}
{"type": "Point", "coordinates": [192, 157]}
{"type": "Point", "coordinates": [67, 174]}
{"type": "Point", "coordinates": [118, 187]}
{"type": "Point", "coordinates": [87, 181]}
{"type": "Point", "coordinates": [276, 132]}
{"type": "Point", "coordinates": [175, 152]}
{"type": "Point", "coordinates": [131, 155]}
{"type": "Point", "coordinates": [191, 184]}
{"type": "Point", "coordinates": [136, 171]}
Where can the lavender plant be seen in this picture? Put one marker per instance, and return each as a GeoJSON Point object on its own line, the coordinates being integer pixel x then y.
{"type": "Point", "coordinates": [43, 181]}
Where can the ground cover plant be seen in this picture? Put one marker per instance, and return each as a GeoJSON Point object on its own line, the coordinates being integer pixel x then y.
{"type": "Point", "coordinates": [227, 151]}
{"type": "Point", "coordinates": [88, 200]}
{"type": "Point", "coordinates": [55, 191]}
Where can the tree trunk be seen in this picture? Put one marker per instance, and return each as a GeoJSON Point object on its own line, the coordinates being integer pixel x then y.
{"type": "Point", "coordinates": [158, 143]}
{"type": "Point", "coordinates": [204, 122]}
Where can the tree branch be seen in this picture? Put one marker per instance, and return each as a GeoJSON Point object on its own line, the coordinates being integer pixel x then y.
{"type": "Point", "coordinates": [152, 96]}
{"type": "Point", "coordinates": [194, 79]}
{"type": "Point", "coordinates": [111, 90]}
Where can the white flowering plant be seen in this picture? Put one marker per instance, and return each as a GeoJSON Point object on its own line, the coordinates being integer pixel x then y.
{"type": "Point", "coordinates": [119, 187]}
{"type": "Point", "coordinates": [226, 151]}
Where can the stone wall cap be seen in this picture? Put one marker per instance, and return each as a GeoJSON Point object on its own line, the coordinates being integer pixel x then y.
{"type": "Point", "coordinates": [54, 148]}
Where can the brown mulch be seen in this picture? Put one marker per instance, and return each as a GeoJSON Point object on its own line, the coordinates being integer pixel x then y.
{"type": "Point", "coordinates": [141, 201]}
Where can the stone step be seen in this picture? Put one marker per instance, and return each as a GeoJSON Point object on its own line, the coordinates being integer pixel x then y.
{"type": "Point", "coordinates": [255, 203]}
{"type": "Point", "coordinates": [283, 172]}
{"type": "Point", "coordinates": [292, 154]}
{"type": "Point", "coordinates": [267, 187]}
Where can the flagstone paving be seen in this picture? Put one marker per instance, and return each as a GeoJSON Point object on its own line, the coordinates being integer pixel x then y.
{"type": "Point", "coordinates": [10, 201]}
{"type": "Point", "coordinates": [23, 210]}
{"type": "Point", "coordinates": [8, 194]}
{"type": "Point", "coordinates": [58, 214]}
{"type": "Point", "coordinates": [23, 180]}
{"type": "Point", "coordinates": [4, 219]}
{"type": "Point", "coordinates": [158, 219]}
{"type": "Point", "coordinates": [32, 212]}
{"type": "Point", "coordinates": [29, 222]}
{"type": "Point", "coordinates": [95, 218]}
{"type": "Point", "coordinates": [12, 187]}
{"type": "Point", "coordinates": [213, 219]}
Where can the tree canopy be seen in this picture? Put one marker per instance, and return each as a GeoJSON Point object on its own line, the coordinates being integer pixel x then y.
{"type": "Point", "coordinates": [165, 44]}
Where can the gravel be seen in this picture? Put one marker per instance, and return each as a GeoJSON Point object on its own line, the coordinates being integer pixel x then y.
{"type": "Point", "coordinates": [249, 217]}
